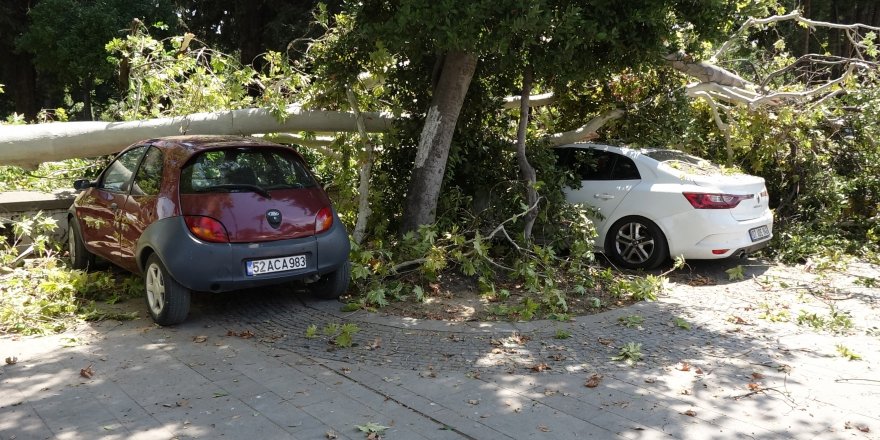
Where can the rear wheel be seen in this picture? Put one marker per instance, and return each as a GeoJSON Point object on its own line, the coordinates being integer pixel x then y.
{"type": "Point", "coordinates": [80, 257]}
{"type": "Point", "coordinates": [636, 243]}
{"type": "Point", "coordinates": [167, 300]}
{"type": "Point", "coordinates": [332, 285]}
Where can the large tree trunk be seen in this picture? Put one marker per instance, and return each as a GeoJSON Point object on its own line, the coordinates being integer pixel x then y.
{"type": "Point", "coordinates": [251, 23]}
{"type": "Point", "coordinates": [526, 171]}
{"type": "Point", "coordinates": [366, 161]}
{"type": "Point", "coordinates": [436, 137]}
{"type": "Point", "coordinates": [28, 145]}
{"type": "Point", "coordinates": [25, 86]}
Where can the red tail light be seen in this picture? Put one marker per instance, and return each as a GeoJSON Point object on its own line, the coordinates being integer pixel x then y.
{"type": "Point", "coordinates": [323, 220]}
{"type": "Point", "coordinates": [206, 229]}
{"type": "Point", "coordinates": [714, 201]}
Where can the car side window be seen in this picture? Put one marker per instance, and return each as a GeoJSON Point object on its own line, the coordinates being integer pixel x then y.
{"type": "Point", "coordinates": [149, 175]}
{"type": "Point", "coordinates": [625, 169]}
{"type": "Point", "coordinates": [118, 175]}
{"type": "Point", "coordinates": [593, 164]}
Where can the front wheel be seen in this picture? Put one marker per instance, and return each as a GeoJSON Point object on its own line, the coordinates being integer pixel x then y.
{"type": "Point", "coordinates": [636, 243]}
{"type": "Point", "coordinates": [332, 285]}
{"type": "Point", "coordinates": [167, 300]}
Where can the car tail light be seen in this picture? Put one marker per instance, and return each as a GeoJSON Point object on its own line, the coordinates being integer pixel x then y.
{"type": "Point", "coordinates": [323, 220]}
{"type": "Point", "coordinates": [206, 229]}
{"type": "Point", "coordinates": [714, 201]}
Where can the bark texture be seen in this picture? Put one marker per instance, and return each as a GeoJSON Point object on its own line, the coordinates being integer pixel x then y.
{"type": "Point", "coordinates": [366, 170]}
{"type": "Point", "coordinates": [526, 171]}
{"type": "Point", "coordinates": [28, 145]}
{"type": "Point", "coordinates": [436, 137]}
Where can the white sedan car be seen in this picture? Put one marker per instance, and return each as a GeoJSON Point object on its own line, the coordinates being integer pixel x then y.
{"type": "Point", "coordinates": [653, 204]}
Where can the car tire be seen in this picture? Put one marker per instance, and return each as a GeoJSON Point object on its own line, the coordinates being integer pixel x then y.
{"type": "Point", "coordinates": [80, 257]}
{"type": "Point", "coordinates": [636, 243]}
{"type": "Point", "coordinates": [332, 285]}
{"type": "Point", "coordinates": [167, 300]}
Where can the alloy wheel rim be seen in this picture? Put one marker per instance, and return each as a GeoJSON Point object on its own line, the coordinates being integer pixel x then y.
{"type": "Point", "coordinates": [634, 243]}
{"type": "Point", "coordinates": [155, 285]}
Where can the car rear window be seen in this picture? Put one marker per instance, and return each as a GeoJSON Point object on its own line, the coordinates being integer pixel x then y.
{"type": "Point", "coordinates": [680, 159]}
{"type": "Point", "coordinates": [232, 169]}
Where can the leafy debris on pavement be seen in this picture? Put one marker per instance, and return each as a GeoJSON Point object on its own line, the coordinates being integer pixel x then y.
{"type": "Point", "coordinates": [593, 381]}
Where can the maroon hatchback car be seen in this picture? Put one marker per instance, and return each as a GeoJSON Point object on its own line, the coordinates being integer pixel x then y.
{"type": "Point", "coordinates": [211, 214]}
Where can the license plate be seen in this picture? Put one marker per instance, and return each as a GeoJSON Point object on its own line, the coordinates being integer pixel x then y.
{"type": "Point", "coordinates": [759, 233]}
{"type": "Point", "coordinates": [280, 264]}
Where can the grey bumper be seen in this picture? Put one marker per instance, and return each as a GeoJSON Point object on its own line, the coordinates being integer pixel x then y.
{"type": "Point", "coordinates": [220, 267]}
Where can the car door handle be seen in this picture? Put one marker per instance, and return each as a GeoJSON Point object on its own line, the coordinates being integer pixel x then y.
{"type": "Point", "coordinates": [603, 196]}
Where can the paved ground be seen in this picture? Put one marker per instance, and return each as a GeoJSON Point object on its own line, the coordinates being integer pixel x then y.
{"type": "Point", "coordinates": [241, 367]}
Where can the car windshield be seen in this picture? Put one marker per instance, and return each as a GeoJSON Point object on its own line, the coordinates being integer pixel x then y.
{"type": "Point", "coordinates": [683, 161]}
{"type": "Point", "coordinates": [244, 169]}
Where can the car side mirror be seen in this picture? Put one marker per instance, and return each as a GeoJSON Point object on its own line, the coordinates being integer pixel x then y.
{"type": "Point", "coordinates": [82, 184]}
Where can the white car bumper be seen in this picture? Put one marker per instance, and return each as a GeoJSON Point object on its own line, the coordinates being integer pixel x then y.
{"type": "Point", "coordinates": [712, 234]}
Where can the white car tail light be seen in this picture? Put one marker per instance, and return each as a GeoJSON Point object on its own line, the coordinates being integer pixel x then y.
{"type": "Point", "coordinates": [715, 201]}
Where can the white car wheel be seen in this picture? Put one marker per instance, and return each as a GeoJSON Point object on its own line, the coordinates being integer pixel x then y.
{"type": "Point", "coordinates": [636, 243]}
{"type": "Point", "coordinates": [167, 300]}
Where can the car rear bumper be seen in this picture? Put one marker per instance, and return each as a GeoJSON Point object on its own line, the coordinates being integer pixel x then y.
{"type": "Point", "coordinates": [221, 267]}
{"type": "Point", "coordinates": [713, 234]}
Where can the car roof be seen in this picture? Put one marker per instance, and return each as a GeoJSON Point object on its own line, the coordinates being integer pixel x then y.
{"type": "Point", "coordinates": [617, 148]}
{"type": "Point", "coordinates": [201, 142]}
{"type": "Point", "coordinates": [186, 146]}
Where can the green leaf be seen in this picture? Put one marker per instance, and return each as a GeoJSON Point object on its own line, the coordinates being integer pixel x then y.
{"type": "Point", "coordinates": [735, 273]}
{"type": "Point", "coordinates": [371, 428]}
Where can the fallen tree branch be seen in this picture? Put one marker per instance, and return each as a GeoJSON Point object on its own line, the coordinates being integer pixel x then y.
{"type": "Point", "coordinates": [795, 16]}
{"type": "Point", "coordinates": [28, 145]}
{"type": "Point", "coordinates": [586, 132]}
{"type": "Point", "coordinates": [543, 99]}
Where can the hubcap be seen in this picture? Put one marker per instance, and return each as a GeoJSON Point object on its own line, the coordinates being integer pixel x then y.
{"type": "Point", "coordinates": [634, 243]}
{"type": "Point", "coordinates": [155, 285]}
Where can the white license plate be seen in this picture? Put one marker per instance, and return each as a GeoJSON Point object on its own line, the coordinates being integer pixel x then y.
{"type": "Point", "coordinates": [759, 233]}
{"type": "Point", "coordinates": [280, 264]}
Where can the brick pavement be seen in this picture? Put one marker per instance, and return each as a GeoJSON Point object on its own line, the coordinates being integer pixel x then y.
{"type": "Point", "coordinates": [732, 375]}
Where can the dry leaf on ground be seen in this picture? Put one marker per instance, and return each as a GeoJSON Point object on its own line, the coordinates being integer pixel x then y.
{"type": "Point", "coordinates": [199, 339]}
{"type": "Point", "coordinates": [87, 372]}
{"type": "Point", "coordinates": [540, 367]}
{"type": "Point", "coordinates": [690, 413]}
{"type": "Point", "coordinates": [859, 426]}
{"type": "Point", "coordinates": [377, 344]}
{"type": "Point", "coordinates": [737, 320]}
{"type": "Point", "coordinates": [593, 381]}
{"type": "Point", "coordinates": [11, 360]}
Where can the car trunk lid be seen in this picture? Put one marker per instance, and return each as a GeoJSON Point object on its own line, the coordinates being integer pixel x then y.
{"type": "Point", "coordinates": [251, 217]}
{"type": "Point", "coordinates": [752, 188]}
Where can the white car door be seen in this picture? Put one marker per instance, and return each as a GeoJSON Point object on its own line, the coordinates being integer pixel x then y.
{"type": "Point", "coordinates": [606, 179]}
